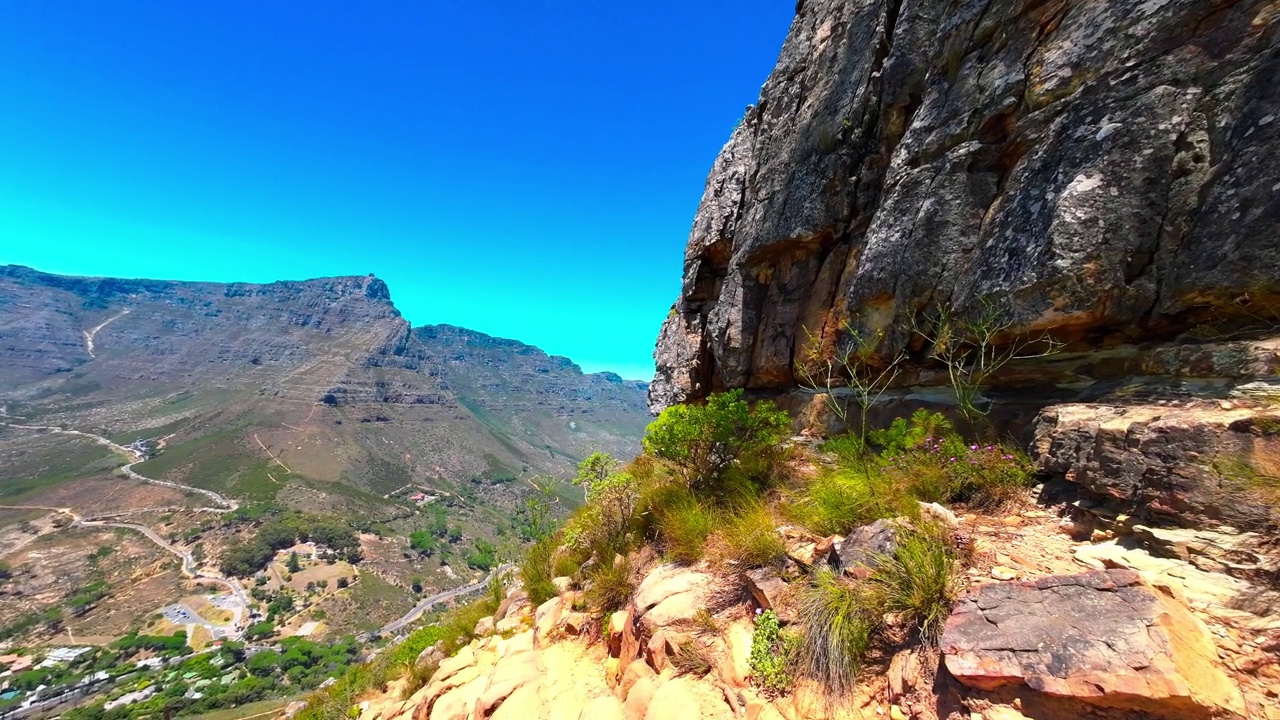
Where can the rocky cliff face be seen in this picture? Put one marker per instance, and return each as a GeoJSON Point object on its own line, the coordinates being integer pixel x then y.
{"type": "Point", "coordinates": [1101, 170]}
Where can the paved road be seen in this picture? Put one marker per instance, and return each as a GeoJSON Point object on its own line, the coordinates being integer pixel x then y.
{"type": "Point", "coordinates": [397, 625]}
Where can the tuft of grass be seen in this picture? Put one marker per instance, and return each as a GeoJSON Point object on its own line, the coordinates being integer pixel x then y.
{"type": "Point", "coordinates": [864, 488]}
{"type": "Point", "coordinates": [920, 579]}
{"type": "Point", "coordinates": [683, 523]}
{"type": "Point", "coordinates": [840, 620]}
{"type": "Point", "coordinates": [748, 539]}
{"type": "Point", "coordinates": [690, 659]}
{"type": "Point", "coordinates": [416, 676]}
{"type": "Point", "coordinates": [705, 623]}
{"type": "Point", "coordinates": [536, 571]}
{"type": "Point", "coordinates": [840, 500]}
{"type": "Point", "coordinates": [610, 586]}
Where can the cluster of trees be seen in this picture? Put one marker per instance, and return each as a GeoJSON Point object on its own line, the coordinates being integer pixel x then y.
{"type": "Point", "coordinates": [304, 663]}
{"type": "Point", "coordinates": [49, 617]}
{"type": "Point", "coordinates": [133, 643]}
{"type": "Point", "coordinates": [87, 596]}
{"type": "Point", "coordinates": [484, 557]}
{"type": "Point", "coordinates": [283, 529]}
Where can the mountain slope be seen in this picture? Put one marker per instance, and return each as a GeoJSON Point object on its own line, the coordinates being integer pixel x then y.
{"type": "Point", "coordinates": [314, 393]}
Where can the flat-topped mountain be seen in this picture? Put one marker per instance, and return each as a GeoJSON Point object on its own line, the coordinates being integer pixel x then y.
{"type": "Point", "coordinates": [322, 377]}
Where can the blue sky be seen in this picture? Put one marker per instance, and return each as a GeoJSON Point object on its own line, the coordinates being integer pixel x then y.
{"type": "Point", "coordinates": [530, 169]}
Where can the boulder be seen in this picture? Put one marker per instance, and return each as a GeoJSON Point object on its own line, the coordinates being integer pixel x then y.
{"type": "Point", "coordinates": [484, 626]}
{"type": "Point", "coordinates": [574, 623]}
{"type": "Point", "coordinates": [674, 700]}
{"type": "Point", "coordinates": [766, 587]}
{"type": "Point", "coordinates": [1102, 638]}
{"type": "Point", "coordinates": [945, 157]}
{"type": "Point", "coordinates": [546, 618]}
{"type": "Point", "coordinates": [562, 584]}
{"type": "Point", "coordinates": [939, 514]}
{"type": "Point", "coordinates": [603, 708]}
{"type": "Point", "coordinates": [516, 602]}
{"type": "Point", "coordinates": [855, 553]}
{"type": "Point", "coordinates": [636, 704]}
{"type": "Point", "coordinates": [671, 594]}
{"type": "Point", "coordinates": [635, 671]}
{"type": "Point", "coordinates": [735, 667]}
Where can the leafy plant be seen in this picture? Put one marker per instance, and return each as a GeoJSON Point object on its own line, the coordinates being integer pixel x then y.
{"type": "Point", "coordinates": [773, 653]}
{"type": "Point", "coordinates": [603, 525]}
{"type": "Point", "coordinates": [704, 441]}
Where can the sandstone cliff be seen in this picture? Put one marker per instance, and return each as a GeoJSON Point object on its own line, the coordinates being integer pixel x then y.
{"type": "Point", "coordinates": [1104, 170]}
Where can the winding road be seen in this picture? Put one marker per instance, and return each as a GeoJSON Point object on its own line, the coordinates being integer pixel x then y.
{"type": "Point", "coordinates": [189, 565]}
{"type": "Point", "coordinates": [396, 626]}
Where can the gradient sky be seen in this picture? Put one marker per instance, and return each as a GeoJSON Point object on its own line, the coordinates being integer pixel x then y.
{"type": "Point", "coordinates": [529, 169]}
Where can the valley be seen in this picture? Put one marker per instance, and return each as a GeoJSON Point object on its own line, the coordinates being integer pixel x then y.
{"type": "Point", "coordinates": [151, 431]}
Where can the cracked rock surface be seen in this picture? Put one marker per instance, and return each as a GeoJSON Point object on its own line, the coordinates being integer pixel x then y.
{"type": "Point", "coordinates": [1102, 168]}
{"type": "Point", "coordinates": [1101, 638]}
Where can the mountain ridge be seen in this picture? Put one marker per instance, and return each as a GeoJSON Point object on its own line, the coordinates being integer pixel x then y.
{"type": "Point", "coordinates": [331, 359]}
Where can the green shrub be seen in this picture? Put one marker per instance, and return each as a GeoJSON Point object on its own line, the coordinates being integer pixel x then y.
{"type": "Point", "coordinates": [749, 538]}
{"type": "Point", "coordinates": [536, 572]}
{"type": "Point", "coordinates": [919, 579]}
{"type": "Point", "coordinates": [704, 441]}
{"type": "Point", "coordinates": [604, 524]}
{"type": "Point", "coordinates": [839, 619]}
{"type": "Point", "coordinates": [950, 470]}
{"type": "Point", "coordinates": [773, 653]}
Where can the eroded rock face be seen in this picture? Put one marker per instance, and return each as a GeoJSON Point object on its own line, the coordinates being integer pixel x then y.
{"type": "Point", "coordinates": [1198, 465]}
{"type": "Point", "coordinates": [1100, 638]}
{"type": "Point", "coordinates": [1104, 169]}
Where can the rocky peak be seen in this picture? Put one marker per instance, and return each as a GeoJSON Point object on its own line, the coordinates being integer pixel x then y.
{"type": "Point", "coordinates": [1101, 170]}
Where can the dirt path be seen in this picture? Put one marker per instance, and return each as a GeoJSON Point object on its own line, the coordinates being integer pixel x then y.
{"type": "Point", "coordinates": [88, 334]}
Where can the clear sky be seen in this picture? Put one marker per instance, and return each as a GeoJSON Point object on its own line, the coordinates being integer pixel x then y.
{"type": "Point", "coordinates": [526, 169]}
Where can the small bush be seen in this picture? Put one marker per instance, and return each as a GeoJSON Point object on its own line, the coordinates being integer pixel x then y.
{"type": "Point", "coordinates": [840, 619]}
{"type": "Point", "coordinates": [840, 500]}
{"type": "Point", "coordinates": [919, 579]}
{"type": "Point", "coordinates": [610, 586]}
{"type": "Point", "coordinates": [748, 539]}
{"type": "Point", "coordinates": [951, 470]}
{"type": "Point", "coordinates": [773, 653]}
{"type": "Point", "coordinates": [705, 441]}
